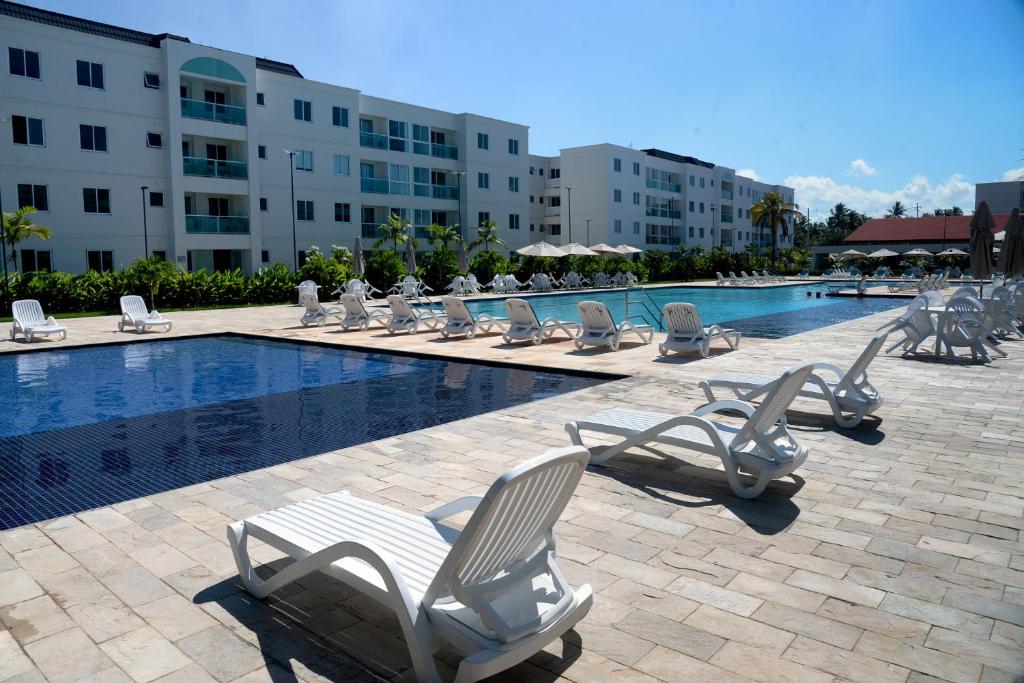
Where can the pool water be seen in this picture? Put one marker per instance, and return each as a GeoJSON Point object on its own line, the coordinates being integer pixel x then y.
{"type": "Point", "coordinates": [88, 427]}
{"type": "Point", "coordinates": [770, 312]}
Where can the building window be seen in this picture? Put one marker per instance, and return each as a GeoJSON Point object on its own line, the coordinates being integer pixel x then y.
{"type": "Point", "coordinates": [556, 229]}
{"type": "Point", "coordinates": [702, 182]}
{"type": "Point", "coordinates": [261, 99]}
{"type": "Point", "coordinates": [483, 141]}
{"type": "Point", "coordinates": [36, 259]}
{"type": "Point", "coordinates": [339, 117]}
{"type": "Point", "coordinates": [636, 168]}
{"type": "Point", "coordinates": [691, 185]}
{"type": "Point", "coordinates": [483, 181]}
{"type": "Point", "coordinates": [23, 62]}
{"type": "Point", "coordinates": [617, 196]}
{"type": "Point", "coordinates": [342, 165]}
{"type": "Point", "coordinates": [95, 200]}
{"type": "Point", "coordinates": [513, 146]}
{"type": "Point", "coordinates": [636, 198]}
{"type": "Point", "coordinates": [261, 151]}
{"type": "Point", "coordinates": [690, 207]}
{"type": "Point", "coordinates": [702, 233]}
{"type": "Point", "coordinates": [33, 195]}
{"type": "Point", "coordinates": [92, 138]}
{"type": "Point", "coordinates": [304, 160]}
{"type": "Point", "coordinates": [618, 225]}
{"type": "Point", "coordinates": [636, 227]}
{"type": "Point", "coordinates": [342, 212]}
{"type": "Point", "coordinates": [151, 80]}
{"type": "Point", "coordinates": [264, 206]}
{"type": "Point", "coordinates": [100, 261]}
{"type": "Point", "coordinates": [554, 201]}
{"type": "Point", "coordinates": [617, 165]}
{"type": "Point", "coordinates": [483, 217]}
{"type": "Point", "coordinates": [90, 74]}
{"type": "Point", "coordinates": [265, 255]}
{"type": "Point", "coordinates": [27, 131]}
{"type": "Point", "coordinates": [513, 221]}
{"type": "Point", "coordinates": [513, 183]}
{"type": "Point", "coordinates": [154, 140]}
{"type": "Point", "coordinates": [303, 110]}
{"type": "Point", "coordinates": [156, 198]}
{"type": "Point", "coordinates": [691, 231]}
{"type": "Point", "coordinates": [702, 207]}
{"type": "Point", "coordinates": [303, 210]}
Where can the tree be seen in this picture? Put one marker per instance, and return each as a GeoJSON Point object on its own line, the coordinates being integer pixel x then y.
{"type": "Point", "coordinates": [898, 210]}
{"type": "Point", "coordinates": [151, 273]}
{"type": "Point", "coordinates": [955, 211]}
{"type": "Point", "coordinates": [771, 213]}
{"type": "Point", "coordinates": [395, 230]}
{"type": "Point", "coordinates": [18, 227]}
{"type": "Point", "coordinates": [486, 234]}
{"type": "Point", "coordinates": [443, 235]}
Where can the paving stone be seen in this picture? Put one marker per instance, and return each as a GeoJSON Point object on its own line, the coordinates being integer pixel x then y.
{"type": "Point", "coordinates": [13, 660]}
{"type": "Point", "coordinates": [145, 654]}
{"type": "Point", "coordinates": [68, 656]}
{"type": "Point", "coordinates": [48, 559]}
{"type": "Point", "coordinates": [776, 592]}
{"type": "Point", "coordinates": [843, 663]}
{"type": "Point", "coordinates": [33, 619]}
{"type": "Point", "coordinates": [930, 613]}
{"type": "Point", "coordinates": [810, 625]}
{"type": "Point", "coordinates": [919, 658]}
{"type": "Point", "coordinates": [17, 586]}
{"type": "Point", "coordinates": [709, 594]}
{"type": "Point", "coordinates": [675, 667]}
{"type": "Point", "coordinates": [765, 667]}
{"type": "Point", "coordinates": [884, 623]}
{"type": "Point", "coordinates": [818, 565]}
{"type": "Point", "coordinates": [689, 640]}
{"type": "Point", "coordinates": [740, 629]}
{"type": "Point", "coordinates": [837, 588]}
{"type": "Point", "coordinates": [221, 654]}
{"type": "Point", "coordinates": [762, 566]}
{"type": "Point", "coordinates": [105, 618]}
{"type": "Point", "coordinates": [136, 586]}
{"type": "Point", "coordinates": [999, 655]}
{"type": "Point", "coordinates": [175, 617]}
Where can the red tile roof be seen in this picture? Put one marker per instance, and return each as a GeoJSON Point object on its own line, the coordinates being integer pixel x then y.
{"type": "Point", "coordinates": [926, 229]}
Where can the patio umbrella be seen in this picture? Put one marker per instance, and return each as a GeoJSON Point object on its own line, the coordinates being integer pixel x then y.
{"type": "Point", "coordinates": [981, 242]}
{"type": "Point", "coordinates": [626, 249]}
{"type": "Point", "coordinates": [603, 248]}
{"type": "Point", "coordinates": [853, 253]}
{"type": "Point", "coordinates": [358, 267]}
{"type": "Point", "coordinates": [882, 253]}
{"type": "Point", "coordinates": [952, 252]}
{"type": "Point", "coordinates": [917, 252]}
{"type": "Point", "coordinates": [577, 249]}
{"type": "Point", "coordinates": [463, 258]}
{"type": "Point", "coordinates": [410, 257]}
{"type": "Point", "coordinates": [540, 249]}
{"type": "Point", "coordinates": [1011, 258]}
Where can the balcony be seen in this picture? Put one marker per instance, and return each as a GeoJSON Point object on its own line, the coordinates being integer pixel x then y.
{"type": "Point", "coordinates": [444, 192]}
{"type": "Point", "coordinates": [444, 151]}
{"type": "Point", "coordinates": [373, 185]}
{"type": "Point", "coordinates": [553, 211]}
{"type": "Point", "coordinates": [373, 140]}
{"type": "Point", "coordinates": [213, 168]}
{"type": "Point", "coordinates": [552, 183]}
{"type": "Point", "coordinates": [224, 113]}
{"type": "Point", "coordinates": [727, 194]}
{"type": "Point", "coordinates": [370, 230]}
{"type": "Point", "coordinates": [217, 225]}
{"type": "Point", "coordinates": [668, 187]}
{"type": "Point", "coordinates": [663, 212]}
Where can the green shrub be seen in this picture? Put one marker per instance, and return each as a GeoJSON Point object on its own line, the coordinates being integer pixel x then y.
{"type": "Point", "coordinates": [330, 272]}
{"type": "Point", "coordinates": [439, 267]}
{"type": "Point", "coordinates": [486, 264]}
{"type": "Point", "coordinates": [384, 268]}
{"type": "Point", "coordinates": [272, 285]}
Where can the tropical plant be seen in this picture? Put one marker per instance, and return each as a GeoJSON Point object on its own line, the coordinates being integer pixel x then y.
{"type": "Point", "coordinates": [150, 274]}
{"type": "Point", "coordinates": [440, 236]}
{"type": "Point", "coordinates": [272, 285]}
{"type": "Point", "coordinates": [487, 264]}
{"type": "Point", "coordinates": [486, 235]}
{"type": "Point", "coordinates": [328, 272]}
{"type": "Point", "coordinates": [898, 210]}
{"type": "Point", "coordinates": [395, 230]}
{"type": "Point", "coordinates": [384, 268]}
{"type": "Point", "coordinates": [19, 226]}
{"type": "Point", "coordinates": [771, 213]}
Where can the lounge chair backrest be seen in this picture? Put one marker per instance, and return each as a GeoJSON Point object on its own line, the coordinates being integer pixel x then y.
{"type": "Point", "coordinates": [594, 317]}
{"type": "Point", "coordinates": [775, 404]}
{"type": "Point", "coordinates": [310, 301]}
{"type": "Point", "coordinates": [400, 307]}
{"type": "Point", "coordinates": [134, 306]}
{"type": "Point", "coordinates": [456, 310]}
{"type": "Point", "coordinates": [355, 286]}
{"type": "Point", "coordinates": [860, 366]}
{"type": "Point", "coordinates": [521, 313]}
{"type": "Point", "coordinates": [28, 312]}
{"type": "Point", "coordinates": [682, 320]}
{"type": "Point", "coordinates": [353, 306]}
{"type": "Point", "coordinates": [509, 539]}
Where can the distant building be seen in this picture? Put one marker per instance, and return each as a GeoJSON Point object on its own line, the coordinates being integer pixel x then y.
{"type": "Point", "coordinates": [1001, 197]}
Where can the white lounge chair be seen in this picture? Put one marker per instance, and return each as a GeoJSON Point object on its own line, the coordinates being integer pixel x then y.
{"type": "Point", "coordinates": [720, 280]}
{"type": "Point", "coordinates": [460, 321]}
{"type": "Point", "coordinates": [685, 332]}
{"type": "Point", "coordinates": [964, 325]}
{"type": "Point", "coordinates": [492, 590]}
{"type": "Point", "coordinates": [357, 315]}
{"type": "Point", "coordinates": [850, 392]}
{"type": "Point", "coordinates": [307, 287]}
{"type": "Point", "coordinates": [30, 322]}
{"type": "Point", "coordinates": [524, 325]}
{"type": "Point", "coordinates": [598, 328]}
{"type": "Point", "coordinates": [600, 279]}
{"type": "Point", "coordinates": [762, 447]}
{"type": "Point", "coordinates": [405, 317]}
{"type": "Point", "coordinates": [472, 285]}
{"type": "Point", "coordinates": [135, 314]}
{"type": "Point", "coordinates": [315, 313]}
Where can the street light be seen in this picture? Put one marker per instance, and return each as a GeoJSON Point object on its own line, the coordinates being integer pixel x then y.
{"type": "Point", "coordinates": [295, 242]}
{"type": "Point", "coordinates": [569, 213]}
{"type": "Point", "coordinates": [145, 227]}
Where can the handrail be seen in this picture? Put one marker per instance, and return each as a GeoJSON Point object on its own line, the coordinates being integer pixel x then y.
{"type": "Point", "coordinates": [655, 313]}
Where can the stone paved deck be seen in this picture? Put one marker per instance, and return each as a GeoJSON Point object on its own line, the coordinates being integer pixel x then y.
{"type": "Point", "coordinates": [898, 557]}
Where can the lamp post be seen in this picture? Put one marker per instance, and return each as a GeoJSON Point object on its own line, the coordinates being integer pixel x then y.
{"type": "Point", "coordinates": [295, 242]}
{"type": "Point", "coordinates": [145, 227]}
{"type": "Point", "coordinates": [588, 232]}
{"type": "Point", "coordinates": [713, 225]}
{"type": "Point", "coordinates": [569, 212]}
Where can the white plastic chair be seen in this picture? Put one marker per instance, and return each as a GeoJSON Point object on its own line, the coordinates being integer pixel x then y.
{"type": "Point", "coordinates": [598, 328]}
{"type": "Point", "coordinates": [472, 285]}
{"type": "Point", "coordinates": [315, 313]}
{"type": "Point", "coordinates": [405, 317]}
{"type": "Point", "coordinates": [460, 321]}
{"type": "Point", "coordinates": [457, 286]}
{"type": "Point", "coordinates": [135, 314]}
{"type": "Point", "coordinates": [685, 332]}
{"type": "Point", "coordinates": [30, 322]}
{"type": "Point", "coordinates": [600, 279]}
{"type": "Point", "coordinates": [357, 315]}
{"type": "Point", "coordinates": [963, 326]}
{"type": "Point", "coordinates": [524, 325]}
{"type": "Point", "coordinates": [916, 325]}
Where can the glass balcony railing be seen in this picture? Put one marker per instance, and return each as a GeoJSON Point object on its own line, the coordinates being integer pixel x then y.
{"type": "Point", "coordinates": [374, 185]}
{"type": "Point", "coordinates": [397, 144]}
{"type": "Point", "coordinates": [214, 168]}
{"type": "Point", "coordinates": [726, 194]}
{"type": "Point", "coordinates": [373, 140]}
{"type": "Point", "coordinates": [399, 187]}
{"type": "Point", "coordinates": [663, 212]}
{"type": "Point", "coordinates": [370, 230]}
{"type": "Point", "coordinates": [225, 113]}
{"type": "Point", "coordinates": [444, 151]}
{"type": "Point", "coordinates": [421, 147]}
{"type": "Point", "coordinates": [444, 192]}
{"type": "Point", "coordinates": [421, 190]}
{"type": "Point", "coordinates": [217, 225]}
{"type": "Point", "coordinates": [659, 185]}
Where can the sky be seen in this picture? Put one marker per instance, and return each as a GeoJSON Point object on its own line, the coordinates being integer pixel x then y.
{"type": "Point", "coordinates": [863, 102]}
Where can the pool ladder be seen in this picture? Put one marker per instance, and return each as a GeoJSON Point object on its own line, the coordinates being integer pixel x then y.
{"type": "Point", "coordinates": [649, 312]}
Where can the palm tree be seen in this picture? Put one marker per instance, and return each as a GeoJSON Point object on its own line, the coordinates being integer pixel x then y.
{"type": "Point", "coordinates": [395, 230]}
{"type": "Point", "coordinates": [18, 226]}
{"type": "Point", "coordinates": [443, 235]}
{"type": "Point", "coordinates": [897, 210]}
{"type": "Point", "coordinates": [771, 213]}
{"type": "Point", "coordinates": [486, 234]}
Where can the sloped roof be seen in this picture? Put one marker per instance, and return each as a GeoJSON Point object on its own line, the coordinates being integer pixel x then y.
{"type": "Point", "coordinates": [924, 229]}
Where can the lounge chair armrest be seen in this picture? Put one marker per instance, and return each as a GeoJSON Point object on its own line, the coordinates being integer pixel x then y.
{"type": "Point", "coordinates": [155, 314]}
{"type": "Point", "coordinates": [463, 504]}
{"type": "Point", "coordinates": [831, 367]}
{"type": "Point", "coordinates": [725, 404]}
{"type": "Point", "coordinates": [51, 321]}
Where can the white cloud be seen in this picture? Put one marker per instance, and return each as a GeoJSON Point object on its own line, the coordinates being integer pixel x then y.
{"type": "Point", "coordinates": [1014, 174]}
{"type": "Point", "coordinates": [861, 167]}
{"type": "Point", "coordinates": [821, 193]}
{"type": "Point", "coordinates": [748, 173]}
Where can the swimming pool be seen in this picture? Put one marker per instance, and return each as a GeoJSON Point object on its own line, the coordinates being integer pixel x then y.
{"type": "Point", "coordinates": [768, 312]}
{"type": "Point", "coordinates": [83, 428]}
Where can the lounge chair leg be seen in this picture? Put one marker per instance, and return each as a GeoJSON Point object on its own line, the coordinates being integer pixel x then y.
{"type": "Point", "coordinates": [732, 473]}
{"type": "Point", "coordinates": [708, 392]}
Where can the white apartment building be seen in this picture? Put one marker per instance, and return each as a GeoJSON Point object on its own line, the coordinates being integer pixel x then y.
{"type": "Point", "coordinates": [96, 112]}
{"type": "Point", "coordinates": [649, 199]}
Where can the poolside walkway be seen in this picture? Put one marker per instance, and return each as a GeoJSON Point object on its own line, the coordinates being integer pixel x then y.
{"type": "Point", "coordinates": [897, 557]}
